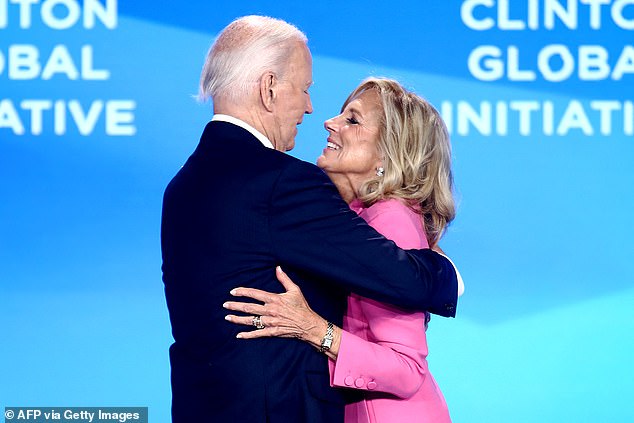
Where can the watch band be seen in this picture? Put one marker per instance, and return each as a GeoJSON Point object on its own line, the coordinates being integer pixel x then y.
{"type": "Point", "coordinates": [326, 341]}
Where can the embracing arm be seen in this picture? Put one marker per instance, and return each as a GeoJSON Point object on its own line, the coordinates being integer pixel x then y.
{"type": "Point", "coordinates": [392, 357]}
{"type": "Point", "coordinates": [313, 229]}
{"type": "Point", "coordinates": [394, 362]}
{"type": "Point", "coordinates": [389, 355]}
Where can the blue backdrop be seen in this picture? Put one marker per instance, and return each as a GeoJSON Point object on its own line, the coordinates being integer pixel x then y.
{"type": "Point", "coordinates": [97, 114]}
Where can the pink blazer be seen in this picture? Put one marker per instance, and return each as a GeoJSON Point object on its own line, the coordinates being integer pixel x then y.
{"type": "Point", "coordinates": [384, 348]}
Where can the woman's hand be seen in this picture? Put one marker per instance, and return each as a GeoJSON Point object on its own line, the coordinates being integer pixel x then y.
{"type": "Point", "coordinates": [285, 315]}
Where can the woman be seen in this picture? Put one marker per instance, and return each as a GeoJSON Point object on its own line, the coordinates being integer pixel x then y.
{"type": "Point", "coordinates": [389, 155]}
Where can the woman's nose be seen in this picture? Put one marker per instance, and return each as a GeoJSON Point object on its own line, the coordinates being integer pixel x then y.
{"type": "Point", "coordinates": [330, 125]}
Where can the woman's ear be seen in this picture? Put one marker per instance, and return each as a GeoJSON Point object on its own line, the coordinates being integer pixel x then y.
{"type": "Point", "coordinates": [380, 161]}
{"type": "Point", "coordinates": [268, 85]}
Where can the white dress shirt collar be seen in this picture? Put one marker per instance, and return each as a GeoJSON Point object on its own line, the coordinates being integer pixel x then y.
{"type": "Point", "coordinates": [242, 124]}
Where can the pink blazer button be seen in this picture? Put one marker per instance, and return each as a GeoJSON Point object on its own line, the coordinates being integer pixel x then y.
{"type": "Point", "coordinates": [348, 381]}
{"type": "Point", "coordinates": [371, 385]}
{"type": "Point", "coordinates": [359, 383]}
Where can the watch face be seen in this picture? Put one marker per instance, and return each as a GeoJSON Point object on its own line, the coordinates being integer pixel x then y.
{"type": "Point", "coordinates": [326, 342]}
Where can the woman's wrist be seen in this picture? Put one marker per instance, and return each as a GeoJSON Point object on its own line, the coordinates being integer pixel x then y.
{"type": "Point", "coordinates": [333, 351]}
{"type": "Point", "coordinates": [319, 334]}
{"type": "Point", "coordinates": [326, 341]}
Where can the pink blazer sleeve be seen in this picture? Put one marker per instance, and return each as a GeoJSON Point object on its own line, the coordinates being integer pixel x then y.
{"type": "Point", "coordinates": [393, 359]}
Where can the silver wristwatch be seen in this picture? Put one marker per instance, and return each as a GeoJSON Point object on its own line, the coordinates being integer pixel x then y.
{"type": "Point", "coordinates": [326, 342]}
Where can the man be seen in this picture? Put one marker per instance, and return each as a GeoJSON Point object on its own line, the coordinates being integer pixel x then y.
{"type": "Point", "coordinates": [238, 208]}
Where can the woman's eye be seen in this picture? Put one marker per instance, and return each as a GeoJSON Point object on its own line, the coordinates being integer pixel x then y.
{"type": "Point", "coordinates": [352, 121]}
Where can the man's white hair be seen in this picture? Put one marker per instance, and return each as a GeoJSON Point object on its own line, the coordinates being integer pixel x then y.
{"type": "Point", "coordinates": [246, 49]}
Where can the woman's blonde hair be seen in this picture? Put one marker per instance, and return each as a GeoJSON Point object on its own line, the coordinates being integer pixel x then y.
{"type": "Point", "coordinates": [414, 145]}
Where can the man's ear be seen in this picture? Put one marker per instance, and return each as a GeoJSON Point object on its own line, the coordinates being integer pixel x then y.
{"type": "Point", "coordinates": [268, 85]}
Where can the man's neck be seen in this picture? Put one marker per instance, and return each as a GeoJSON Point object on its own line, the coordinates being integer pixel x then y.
{"type": "Point", "coordinates": [246, 113]}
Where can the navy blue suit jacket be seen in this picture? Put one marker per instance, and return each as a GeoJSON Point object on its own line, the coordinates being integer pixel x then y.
{"type": "Point", "coordinates": [233, 212]}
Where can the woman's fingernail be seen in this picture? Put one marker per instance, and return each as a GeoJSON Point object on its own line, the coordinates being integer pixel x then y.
{"type": "Point", "coordinates": [239, 336]}
{"type": "Point", "coordinates": [225, 305]}
{"type": "Point", "coordinates": [232, 292]}
{"type": "Point", "coordinates": [227, 317]}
